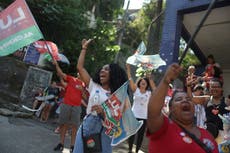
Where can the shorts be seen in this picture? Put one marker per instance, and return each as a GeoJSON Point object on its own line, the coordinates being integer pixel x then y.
{"type": "Point", "coordinates": [70, 114]}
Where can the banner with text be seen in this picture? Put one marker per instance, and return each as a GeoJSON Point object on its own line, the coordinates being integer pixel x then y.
{"type": "Point", "coordinates": [119, 120]}
{"type": "Point", "coordinates": [17, 28]}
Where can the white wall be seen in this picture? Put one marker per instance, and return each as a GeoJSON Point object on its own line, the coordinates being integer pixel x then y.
{"type": "Point", "coordinates": [226, 74]}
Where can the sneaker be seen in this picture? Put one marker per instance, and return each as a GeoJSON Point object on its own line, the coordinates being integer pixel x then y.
{"type": "Point", "coordinates": [71, 149]}
{"type": "Point", "coordinates": [59, 147]}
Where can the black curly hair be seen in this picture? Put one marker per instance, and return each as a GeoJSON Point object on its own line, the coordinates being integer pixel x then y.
{"type": "Point", "coordinates": [117, 76]}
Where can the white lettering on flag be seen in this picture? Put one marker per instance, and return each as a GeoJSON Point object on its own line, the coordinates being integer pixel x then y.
{"type": "Point", "coordinates": [16, 39]}
{"type": "Point", "coordinates": [17, 28]}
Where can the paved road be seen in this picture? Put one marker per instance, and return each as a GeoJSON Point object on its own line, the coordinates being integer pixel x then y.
{"type": "Point", "coordinates": [19, 135]}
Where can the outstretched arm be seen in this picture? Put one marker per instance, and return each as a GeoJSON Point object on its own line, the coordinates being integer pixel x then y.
{"type": "Point", "coordinates": [156, 102]}
{"type": "Point", "coordinates": [151, 82]}
{"type": "Point", "coordinates": [132, 85]}
{"type": "Point", "coordinates": [59, 70]}
{"type": "Point", "coordinates": [81, 60]}
{"type": "Point", "coordinates": [197, 100]}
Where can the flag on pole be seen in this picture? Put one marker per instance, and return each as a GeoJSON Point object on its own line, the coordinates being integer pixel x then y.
{"type": "Point", "coordinates": [47, 47]}
{"type": "Point", "coordinates": [119, 121]}
{"type": "Point", "coordinates": [62, 58]}
{"type": "Point", "coordinates": [148, 61]}
{"type": "Point", "coordinates": [128, 125]}
{"type": "Point", "coordinates": [17, 28]}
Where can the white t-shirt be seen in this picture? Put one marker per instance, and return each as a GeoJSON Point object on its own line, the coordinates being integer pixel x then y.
{"type": "Point", "coordinates": [200, 115]}
{"type": "Point", "coordinates": [103, 95]}
{"type": "Point", "coordinates": [140, 103]}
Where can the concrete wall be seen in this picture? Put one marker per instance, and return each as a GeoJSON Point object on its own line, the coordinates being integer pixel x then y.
{"type": "Point", "coordinates": [13, 74]}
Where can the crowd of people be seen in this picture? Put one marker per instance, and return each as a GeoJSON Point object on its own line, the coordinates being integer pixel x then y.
{"type": "Point", "coordinates": [141, 94]}
{"type": "Point", "coordinates": [186, 119]}
{"type": "Point", "coordinates": [194, 118]}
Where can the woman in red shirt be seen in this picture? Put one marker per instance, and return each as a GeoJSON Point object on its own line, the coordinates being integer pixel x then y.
{"type": "Point", "coordinates": [178, 133]}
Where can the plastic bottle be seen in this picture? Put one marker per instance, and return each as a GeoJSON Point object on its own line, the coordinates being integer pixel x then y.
{"type": "Point", "coordinates": [96, 101]}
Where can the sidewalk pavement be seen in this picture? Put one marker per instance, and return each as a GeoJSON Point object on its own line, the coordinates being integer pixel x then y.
{"type": "Point", "coordinates": [19, 135]}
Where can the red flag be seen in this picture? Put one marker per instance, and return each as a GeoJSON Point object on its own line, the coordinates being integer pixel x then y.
{"type": "Point", "coordinates": [17, 28]}
{"type": "Point", "coordinates": [47, 46]}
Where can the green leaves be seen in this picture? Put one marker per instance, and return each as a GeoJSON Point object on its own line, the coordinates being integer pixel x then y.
{"type": "Point", "coordinates": [66, 24]}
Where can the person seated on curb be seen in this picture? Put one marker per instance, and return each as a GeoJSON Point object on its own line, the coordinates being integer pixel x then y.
{"type": "Point", "coordinates": [36, 102]}
{"type": "Point", "coordinates": [53, 92]}
{"type": "Point", "coordinates": [178, 131]}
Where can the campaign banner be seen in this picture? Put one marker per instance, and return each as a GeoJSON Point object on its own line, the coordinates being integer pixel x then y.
{"type": "Point", "coordinates": [32, 55]}
{"type": "Point", "coordinates": [128, 125]}
{"type": "Point", "coordinates": [119, 120]}
{"type": "Point", "coordinates": [113, 109]}
{"type": "Point", "coordinates": [47, 47]}
{"type": "Point", "coordinates": [146, 61]}
{"type": "Point", "coordinates": [17, 28]}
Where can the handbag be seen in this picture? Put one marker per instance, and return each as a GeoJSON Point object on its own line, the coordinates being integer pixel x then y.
{"type": "Point", "coordinates": [92, 143]}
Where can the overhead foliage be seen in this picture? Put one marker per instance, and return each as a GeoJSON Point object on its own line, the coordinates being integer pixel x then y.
{"type": "Point", "coordinates": [190, 58]}
{"type": "Point", "coordinates": [65, 22]}
{"type": "Point", "coordinates": [138, 26]}
{"type": "Point", "coordinates": [105, 9]}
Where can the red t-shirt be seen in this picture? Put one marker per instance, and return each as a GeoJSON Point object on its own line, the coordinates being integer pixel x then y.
{"type": "Point", "coordinates": [171, 138]}
{"type": "Point", "coordinates": [73, 95]}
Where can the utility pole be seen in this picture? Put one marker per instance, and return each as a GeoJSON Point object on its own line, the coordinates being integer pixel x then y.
{"type": "Point", "coordinates": [123, 24]}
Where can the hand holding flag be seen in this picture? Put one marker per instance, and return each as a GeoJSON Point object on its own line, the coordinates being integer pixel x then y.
{"type": "Point", "coordinates": [119, 120]}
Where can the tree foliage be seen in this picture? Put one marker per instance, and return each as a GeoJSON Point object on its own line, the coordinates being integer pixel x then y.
{"type": "Point", "coordinates": [189, 59]}
{"type": "Point", "coordinates": [65, 22]}
{"type": "Point", "coordinates": [142, 27]}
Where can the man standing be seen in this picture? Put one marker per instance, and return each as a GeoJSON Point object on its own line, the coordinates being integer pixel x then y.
{"type": "Point", "coordinates": [70, 109]}
{"type": "Point", "coordinates": [200, 115]}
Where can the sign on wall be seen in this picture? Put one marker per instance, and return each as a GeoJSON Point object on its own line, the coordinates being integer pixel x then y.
{"type": "Point", "coordinates": [36, 78]}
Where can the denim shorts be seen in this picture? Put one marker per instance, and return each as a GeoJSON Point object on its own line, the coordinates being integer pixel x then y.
{"type": "Point", "coordinates": [92, 124]}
